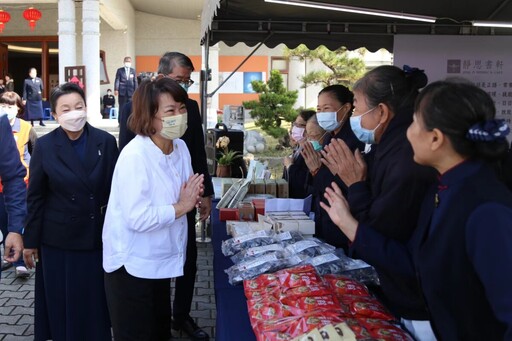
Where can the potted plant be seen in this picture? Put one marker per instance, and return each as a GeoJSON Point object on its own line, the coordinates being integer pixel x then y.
{"type": "Point", "coordinates": [226, 158]}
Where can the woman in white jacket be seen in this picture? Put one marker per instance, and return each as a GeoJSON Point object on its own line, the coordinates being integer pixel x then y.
{"type": "Point", "coordinates": [145, 231]}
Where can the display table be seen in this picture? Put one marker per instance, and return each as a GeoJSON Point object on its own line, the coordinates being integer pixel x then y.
{"type": "Point", "coordinates": [232, 316]}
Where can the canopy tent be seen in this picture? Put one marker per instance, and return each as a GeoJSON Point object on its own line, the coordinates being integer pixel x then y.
{"type": "Point", "coordinates": [254, 21]}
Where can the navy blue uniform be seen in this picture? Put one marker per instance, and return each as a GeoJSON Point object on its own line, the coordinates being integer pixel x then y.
{"type": "Point", "coordinates": [389, 201]}
{"type": "Point", "coordinates": [460, 254]}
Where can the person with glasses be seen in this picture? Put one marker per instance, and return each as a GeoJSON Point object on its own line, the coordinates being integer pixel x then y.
{"type": "Point", "coordinates": [179, 67]}
{"type": "Point", "coordinates": [145, 231]}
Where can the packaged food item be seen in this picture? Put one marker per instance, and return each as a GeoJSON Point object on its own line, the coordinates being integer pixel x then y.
{"type": "Point", "coordinates": [311, 247]}
{"type": "Point", "coordinates": [270, 262]}
{"type": "Point", "coordinates": [343, 285]}
{"type": "Point", "coordinates": [259, 238]}
{"type": "Point", "coordinates": [360, 306]}
{"type": "Point", "coordinates": [255, 252]}
{"type": "Point", "coordinates": [309, 304]}
{"type": "Point", "coordinates": [383, 330]}
{"type": "Point", "coordinates": [304, 275]}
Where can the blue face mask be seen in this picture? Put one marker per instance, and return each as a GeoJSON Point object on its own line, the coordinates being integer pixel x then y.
{"type": "Point", "coordinates": [364, 135]}
{"type": "Point", "coordinates": [184, 86]}
{"type": "Point", "coordinates": [328, 120]}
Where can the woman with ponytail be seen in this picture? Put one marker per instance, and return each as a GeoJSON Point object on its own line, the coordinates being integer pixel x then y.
{"type": "Point", "coordinates": [460, 252]}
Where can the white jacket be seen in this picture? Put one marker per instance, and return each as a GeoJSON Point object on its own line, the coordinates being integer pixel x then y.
{"type": "Point", "coordinates": [141, 231]}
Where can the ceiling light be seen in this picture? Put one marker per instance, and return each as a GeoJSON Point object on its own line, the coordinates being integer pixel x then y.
{"type": "Point", "coordinates": [358, 10]}
{"type": "Point", "coordinates": [506, 24]}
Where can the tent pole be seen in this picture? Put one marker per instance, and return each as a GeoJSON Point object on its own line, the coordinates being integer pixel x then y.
{"type": "Point", "coordinates": [239, 65]}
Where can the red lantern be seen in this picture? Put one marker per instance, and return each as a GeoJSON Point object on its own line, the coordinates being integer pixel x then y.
{"type": "Point", "coordinates": [31, 15]}
{"type": "Point", "coordinates": [4, 19]}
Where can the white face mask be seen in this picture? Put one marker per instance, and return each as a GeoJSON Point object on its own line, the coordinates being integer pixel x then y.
{"type": "Point", "coordinates": [127, 64]}
{"type": "Point", "coordinates": [173, 127]}
{"type": "Point", "coordinates": [10, 112]}
{"type": "Point", "coordinates": [73, 120]}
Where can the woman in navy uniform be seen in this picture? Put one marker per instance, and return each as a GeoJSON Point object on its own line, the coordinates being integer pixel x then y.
{"type": "Point", "coordinates": [386, 188]}
{"type": "Point", "coordinates": [32, 97]}
{"type": "Point", "coordinates": [70, 176]}
{"type": "Point", "coordinates": [460, 252]}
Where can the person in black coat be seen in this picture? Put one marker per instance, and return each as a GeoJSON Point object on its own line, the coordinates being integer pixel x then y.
{"type": "Point", "coordinates": [109, 102]}
{"type": "Point", "coordinates": [333, 111]}
{"type": "Point", "coordinates": [12, 174]}
{"type": "Point", "coordinates": [70, 176]}
{"type": "Point", "coordinates": [9, 83]}
{"type": "Point", "coordinates": [125, 82]}
{"type": "Point", "coordinates": [387, 189]}
{"type": "Point", "coordinates": [179, 67]}
{"type": "Point", "coordinates": [32, 97]}
{"type": "Point", "coordinates": [459, 254]}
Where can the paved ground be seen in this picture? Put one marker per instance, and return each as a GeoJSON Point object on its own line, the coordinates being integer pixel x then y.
{"type": "Point", "coordinates": [17, 295]}
{"type": "Point", "coordinates": [17, 301]}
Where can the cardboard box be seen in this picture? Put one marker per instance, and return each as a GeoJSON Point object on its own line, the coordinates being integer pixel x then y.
{"type": "Point", "coordinates": [259, 206]}
{"type": "Point", "coordinates": [228, 214]}
{"type": "Point", "coordinates": [282, 189]}
{"type": "Point", "coordinates": [270, 187]}
{"type": "Point", "coordinates": [259, 186]}
{"type": "Point", "coordinates": [246, 211]}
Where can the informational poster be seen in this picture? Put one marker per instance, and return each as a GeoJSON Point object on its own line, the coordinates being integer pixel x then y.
{"type": "Point", "coordinates": [234, 85]}
{"type": "Point", "coordinates": [248, 78]}
{"type": "Point", "coordinates": [484, 60]}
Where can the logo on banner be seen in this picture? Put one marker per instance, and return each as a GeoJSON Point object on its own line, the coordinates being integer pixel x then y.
{"type": "Point", "coordinates": [453, 66]}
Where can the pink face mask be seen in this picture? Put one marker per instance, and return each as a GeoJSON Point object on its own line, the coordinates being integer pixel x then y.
{"type": "Point", "coordinates": [73, 120]}
{"type": "Point", "coordinates": [297, 133]}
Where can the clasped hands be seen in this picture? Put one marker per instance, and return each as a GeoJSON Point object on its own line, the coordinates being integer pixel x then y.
{"type": "Point", "coordinates": [349, 167]}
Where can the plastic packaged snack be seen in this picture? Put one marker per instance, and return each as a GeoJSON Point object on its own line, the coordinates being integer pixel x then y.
{"type": "Point", "coordinates": [343, 285]}
{"type": "Point", "coordinates": [311, 247]}
{"type": "Point", "coordinates": [255, 252]}
{"type": "Point", "coordinates": [370, 307]}
{"type": "Point", "coordinates": [259, 238]}
{"type": "Point", "coordinates": [270, 262]}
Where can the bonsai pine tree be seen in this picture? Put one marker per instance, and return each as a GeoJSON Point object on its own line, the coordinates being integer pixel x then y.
{"type": "Point", "coordinates": [275, 105]}
{"type": "Point", "coordinates": [341, 69]}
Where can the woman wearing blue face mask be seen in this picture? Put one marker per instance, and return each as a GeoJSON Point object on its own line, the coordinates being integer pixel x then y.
{"type": "Point", "coordinates": [333, 111]}
{"type": "Point", "coordinates": [295, 169]}
{"type": "Point", "coordinates": [386, 188]}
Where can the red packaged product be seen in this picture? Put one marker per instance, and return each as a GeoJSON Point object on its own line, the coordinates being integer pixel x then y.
{"type": "Point", "coordinates": [343, 285]}
{"type": "Point", "coordinates": [366, 307]}
{"type": "Point", "coordinates": [309, 304]}
{"type": "Point", "coordinates": [261, 282]}
{"type": "Point", "coordinates": [312, 290]}
{"type": "Point", "coordinates": [383, 330]}
{"type": "Point", "coordinates": [314, 320]}
{"type": "Point", "coordinates": [304, 275]}
{"type": "Point", "coordinates": [264, 329]}
{"type": "Point", "coordinates": [262, 294]}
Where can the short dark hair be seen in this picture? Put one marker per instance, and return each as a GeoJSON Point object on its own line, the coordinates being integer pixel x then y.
{"type": "Point", "coordinates": [454, 108]}
{"type": "Point", "coordinates": [8, 75]}
{"type": "Point", "coordinates": [65, 89]}
{"type": "Point", "coordinates": [12, 98]}
{"type": "Point", "coordinates": [307, 114]}
{"type": "Point", "coordinates": [392, 86]}
{"type": "Point", "coordinates": [145, 102]}
{"type": "Point", "coordinates": [340, 92]}
{"type": "Point", "coordinates": [172, 59]}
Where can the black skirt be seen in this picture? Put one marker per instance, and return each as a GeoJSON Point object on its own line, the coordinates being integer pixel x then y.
{"type": "Point", "coordinates": [70, 301]}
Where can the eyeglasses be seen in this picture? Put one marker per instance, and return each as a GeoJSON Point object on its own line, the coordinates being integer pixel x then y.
{"type": "Point", "coordinates": [187, 83]}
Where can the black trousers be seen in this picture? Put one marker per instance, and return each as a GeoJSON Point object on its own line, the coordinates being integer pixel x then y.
{"type": "Point", "coordinates": [140, 308]}
{"type": "Point", "coordinates": [184, 285]}
{"type": "Point", "coordinates": [122, 101]}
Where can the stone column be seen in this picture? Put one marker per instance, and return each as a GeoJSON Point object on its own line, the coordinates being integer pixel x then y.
{"type": "Point", "coordinates": [67, 37]}
{"type": "Point", "coordinates": [91, 56]}
{"type": "Point", "coordinates": [296, 69]}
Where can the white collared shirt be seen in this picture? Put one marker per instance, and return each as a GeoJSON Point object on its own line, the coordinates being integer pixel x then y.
{"type": "Point", "coordinates": [141, 232]}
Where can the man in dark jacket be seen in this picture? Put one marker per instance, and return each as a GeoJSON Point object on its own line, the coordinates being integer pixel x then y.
{"type": "Point", "coordinates": [12, 173]}
{"type": "Point", "coordinates": [33, 98]}
{"type": "Point", "coordinates": [125, 83]}
{"type": "Point", "coordinates": [179, 67]}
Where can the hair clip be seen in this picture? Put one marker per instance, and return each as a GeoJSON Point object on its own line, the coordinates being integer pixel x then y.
{"type": "Point", "coordinates": [488, 131]}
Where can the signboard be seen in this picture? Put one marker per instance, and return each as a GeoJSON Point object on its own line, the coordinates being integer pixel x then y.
{"type": "Point", "coordinates": [484, 60]}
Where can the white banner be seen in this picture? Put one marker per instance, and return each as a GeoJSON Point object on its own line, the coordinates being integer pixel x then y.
{"type": "Point", "coordinates": [484, 60]}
